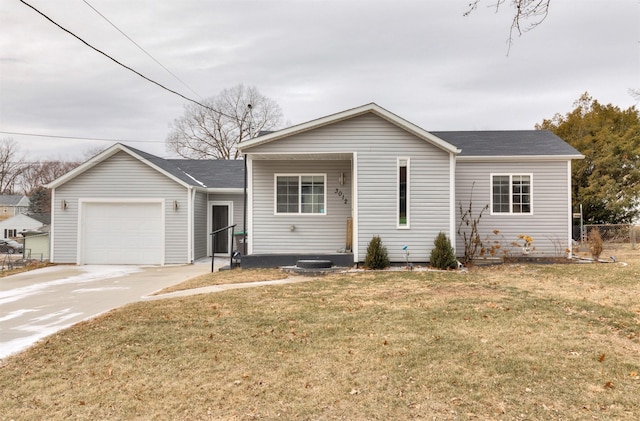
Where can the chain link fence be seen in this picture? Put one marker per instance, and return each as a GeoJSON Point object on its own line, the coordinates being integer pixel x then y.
{"type": "Point", "coordinates": [614, 233]}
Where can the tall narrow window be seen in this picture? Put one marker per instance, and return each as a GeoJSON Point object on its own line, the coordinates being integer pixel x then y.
{"type": "Point", "coordinates": [403, 193]}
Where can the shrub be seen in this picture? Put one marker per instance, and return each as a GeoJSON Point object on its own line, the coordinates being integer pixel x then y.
{"type": "Point", "coordinates": [595, 244]}
{"type": "Point", "coordinates": [377, 257]}
{"type": "Point", "coordinates": [442, 255]}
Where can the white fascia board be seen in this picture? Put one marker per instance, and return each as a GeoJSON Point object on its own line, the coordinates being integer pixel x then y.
{"type": "Point", "coordinates": [104, 155]}
{"type": "Point", "coordinates": [225, 190]}
{"type": "Point", "coordinates": [85, 166]}
{"type": "Point", "coordinates": [347, 114]}
{"type": "Point", "coordinates": [519, 158]}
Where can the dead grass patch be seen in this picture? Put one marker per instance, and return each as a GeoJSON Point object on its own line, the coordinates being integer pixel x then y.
{"type": "Point", "coordinates": [518, 342]}
{"type": "Point", "coordinates": [235, 276]}
{"type": "Point", "coordinates": [25, 268]}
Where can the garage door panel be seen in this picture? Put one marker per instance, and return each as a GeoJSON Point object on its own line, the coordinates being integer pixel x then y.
{"type": "Point", "coordinates": [122, 233]}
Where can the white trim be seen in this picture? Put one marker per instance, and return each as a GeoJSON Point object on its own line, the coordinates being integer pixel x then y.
{"type": "Point", "coordinates": [299, 175]}
{"type": "Point", "coordinates": [210, 205]}
{"type": "Point", "coordinates": [519, 158]}
{"type": "Point", "coordinates": [569, 211]}
{"type": "Point", "coordinates": [104, 155]}
{"type": "Point", "coordinates": [347, 114]}
{"type": "Point", "coordinates": [407, 161]}
{"type": "Point", "coordinates": [452, 201]}
{"type": "Point", "coordinates": [511, 175]}
{"type": "Point", "coordinates": [355, 214]}
{"type": "Point", "coordinates": [249, 209]}
{"type": "Point", "coordinates": [53, 226]}
{"type": "Point", "coordinates": [191, 193]}
{"type": "Point", "coordinates": [80, 230]}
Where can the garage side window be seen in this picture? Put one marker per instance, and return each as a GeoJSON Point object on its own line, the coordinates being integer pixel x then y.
{"type": "Point", "coordinates": [511, 193]}
{"type": "Point", "coordinates": [301, 194]}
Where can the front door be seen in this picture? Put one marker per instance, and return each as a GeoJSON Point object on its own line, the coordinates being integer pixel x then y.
{"type": "Point", "coordinates": [220, 219]}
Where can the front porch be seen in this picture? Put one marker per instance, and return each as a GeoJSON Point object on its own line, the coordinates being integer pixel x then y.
{"type": "Point", "coordinates": [273, 260]}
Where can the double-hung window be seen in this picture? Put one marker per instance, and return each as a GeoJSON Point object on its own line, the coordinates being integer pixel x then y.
{"type": "Point", "coordinates": [511, 193]}
{"type": "Point", "coordinates": [301, 194]}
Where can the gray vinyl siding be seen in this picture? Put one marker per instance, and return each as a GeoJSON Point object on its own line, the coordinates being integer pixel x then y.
{"type": "Point", "coordinates": [200, 234]}
{"type": "Point", "coordinates": [549, 223]}
{"type": "Point", "coordinates": [377, 144]}
{"type": "Point", "coordinates": [313, 233]}
{"type": "Point", "coordinates": [120, 177]}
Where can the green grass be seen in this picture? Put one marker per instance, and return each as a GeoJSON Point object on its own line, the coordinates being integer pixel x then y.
{"type": "Point", "coordinates": [509, 342]}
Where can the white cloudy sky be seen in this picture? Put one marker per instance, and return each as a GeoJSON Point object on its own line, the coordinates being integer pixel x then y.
{"type": "Point", "coordinates": [419, 59]}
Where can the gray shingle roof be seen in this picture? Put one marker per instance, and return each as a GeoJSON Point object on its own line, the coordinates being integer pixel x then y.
{"type": "Point", "coordinates": [209, 173]}
{"type": "Point", "coordinates": [508, 143]}
{"type": "Point", "coordinates": [10, 199]}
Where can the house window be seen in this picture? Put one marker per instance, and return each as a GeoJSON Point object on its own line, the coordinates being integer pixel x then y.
{"type": "Point", "coordinates": [301, 194]}
{"type": "Point", "coordinates": [511, 193]}
{"type": "Point", "coordinates": [403, 192]}
{"type": "Point", "coordinates": [8, 233]}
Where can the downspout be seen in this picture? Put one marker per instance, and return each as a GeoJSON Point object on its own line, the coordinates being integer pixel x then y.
{"type": "Point", "coordinates": [191, 195]}
{"type": "Point", "coordinates": [52, 231]}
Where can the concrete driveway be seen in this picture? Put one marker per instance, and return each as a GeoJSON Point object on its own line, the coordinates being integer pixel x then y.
{"type": "Point", "coordinates": [41, 302]}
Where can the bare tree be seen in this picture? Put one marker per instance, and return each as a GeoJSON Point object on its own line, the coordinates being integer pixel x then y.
{"type": "Point", "coordinates": [236, 114]}
{"type": "Point", "coordinates": [527, 14]}
{"type": "Point", "coordinates": [38, 174]}
{"type": "Point", "coordinates": [10, 166]}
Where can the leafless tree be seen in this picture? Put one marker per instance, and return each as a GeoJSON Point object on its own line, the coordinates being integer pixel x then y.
{"type": "Point", "coordinates": [11, 166]}
{"type": "Point", "coordinates": [236, 114]}
{"type": "Point", "coordinates": [527, 14]}
{"type": "Point", "coordinates": [38, 174]}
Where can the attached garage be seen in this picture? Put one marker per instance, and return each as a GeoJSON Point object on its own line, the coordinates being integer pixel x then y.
{"type": "Point", "coordinates": [121, 232]}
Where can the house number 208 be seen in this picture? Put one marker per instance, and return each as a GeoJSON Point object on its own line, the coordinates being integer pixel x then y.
{"type": "Point", "coordinates": [339, 193]}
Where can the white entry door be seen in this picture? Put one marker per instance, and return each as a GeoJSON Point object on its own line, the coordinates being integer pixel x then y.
{"type": "Point", "coordinates": [122, 233]}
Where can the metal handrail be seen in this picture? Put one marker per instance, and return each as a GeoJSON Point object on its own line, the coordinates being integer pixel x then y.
{"type": "Point", "coordinates": [213, 241]}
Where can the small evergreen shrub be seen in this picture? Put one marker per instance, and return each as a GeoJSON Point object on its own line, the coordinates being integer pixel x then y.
{"type": "Point", "coordinates": [595, 244]}
{"type": "Point", "coordinates": [377, 257]}
{"type": "Point", "coordinates": [442, 255]}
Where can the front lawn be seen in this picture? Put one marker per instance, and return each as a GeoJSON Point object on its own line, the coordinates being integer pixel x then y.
{"type": "Point", "coordinates": [504, 342]}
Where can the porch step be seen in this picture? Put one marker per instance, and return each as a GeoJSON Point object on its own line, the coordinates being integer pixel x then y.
{"type": "Point", "coordinates": [314, 264]}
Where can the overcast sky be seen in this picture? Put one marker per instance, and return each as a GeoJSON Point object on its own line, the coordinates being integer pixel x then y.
{"type": "Point", "coordinates": [422, 60]}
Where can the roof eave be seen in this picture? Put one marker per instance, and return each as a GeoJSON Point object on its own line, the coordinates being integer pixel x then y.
{"type": "Point", "coordinates": [520, 158]}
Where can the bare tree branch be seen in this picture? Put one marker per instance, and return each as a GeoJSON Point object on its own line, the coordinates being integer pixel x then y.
{"type": "Point", "coordinates": [528, 14]}
{"type": "Point", "coordinates": [214, 131]}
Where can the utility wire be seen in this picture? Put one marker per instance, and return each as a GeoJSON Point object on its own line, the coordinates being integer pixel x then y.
{"type": "Point", "coordinates": [81, 138]}
{"type": "Point", "coordinates": [142, 49]}
{"type": "Point", "coordinates": [121, 64]}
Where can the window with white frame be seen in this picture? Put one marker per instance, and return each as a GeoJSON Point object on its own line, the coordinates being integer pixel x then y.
{"type": "Point", "coordinates": [403, 193]}
{"type": "Point", "coordinates": [511, 193]}
{"type": "Point", "coordinates": [305, 194]}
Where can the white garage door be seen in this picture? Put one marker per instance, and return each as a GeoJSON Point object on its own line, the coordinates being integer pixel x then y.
{"type": "Point", "coordinates": [122, 233]}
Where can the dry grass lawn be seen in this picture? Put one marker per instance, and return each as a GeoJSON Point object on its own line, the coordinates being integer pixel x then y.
{"type": "Point", "coordinates": [227, 277]}
{"type": "Point", "coordinates": [506, 342]}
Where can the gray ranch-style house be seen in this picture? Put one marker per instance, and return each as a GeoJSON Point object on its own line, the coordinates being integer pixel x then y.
{"type": "Point", "coordinates": [333, 183]}
{"type": "Point", "coordinates": [320, 189]}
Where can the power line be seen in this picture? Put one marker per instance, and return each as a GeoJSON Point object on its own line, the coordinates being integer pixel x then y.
{"type": "Point", "coordinates": [121, 64]}
{"type": "Point", "coordinates": [81, 138]}
{"type": "Point", "coordinates": [142, 49]}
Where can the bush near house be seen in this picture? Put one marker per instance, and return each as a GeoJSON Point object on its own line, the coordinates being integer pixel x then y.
{"type": "Point", "coordinates": [377, 256]}
{"type": "Point", "coordinates": [442, 255]}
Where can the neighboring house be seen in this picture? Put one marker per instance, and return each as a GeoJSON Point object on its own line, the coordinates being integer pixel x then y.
{"type": "Point", "coordinates": [14, 225]}
{"type": "Point", "coordinates": [125, 206]}
{"type": "Point", "coordinates": [322, 187]}
{"type": "Point", "coordinates": [12, 205]}
{"type": "Point", "coordinates": [36, 243]}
